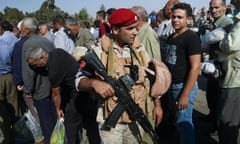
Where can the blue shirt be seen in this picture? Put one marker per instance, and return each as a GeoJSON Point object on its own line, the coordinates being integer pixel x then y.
{"type": "Point", "coordinates": [9, 37]}
{"type": "Point", "coordinates": [5, 57]}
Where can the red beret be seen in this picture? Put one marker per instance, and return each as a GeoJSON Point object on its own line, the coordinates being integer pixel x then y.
{"type": "Point", "coordinates": [123, 17]}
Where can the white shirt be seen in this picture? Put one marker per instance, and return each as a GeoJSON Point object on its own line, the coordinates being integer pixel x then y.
{"type": "Point", "coordinates": [63, 41]}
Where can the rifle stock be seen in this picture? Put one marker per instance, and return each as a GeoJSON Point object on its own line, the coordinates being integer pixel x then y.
{"type": "Point", "coordinates": [125, 101]}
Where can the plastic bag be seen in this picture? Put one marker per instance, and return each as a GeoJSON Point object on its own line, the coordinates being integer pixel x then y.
{"type": "Point", "coordinates": [58, 133]}
{"type": "Point", "coordinates": [34, 126]}
{"type": "Point", "coordinates": [22, 134]}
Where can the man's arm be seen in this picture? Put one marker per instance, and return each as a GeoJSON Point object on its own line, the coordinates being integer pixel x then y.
{"type": "Point", "coordinates": [56, 96]}
{"type": "Point", "coordinates": [28, 74]}
{"type": "Point", "coordinates": [191, 79]}
{"type": "Point", "coordinates": [231, 42]}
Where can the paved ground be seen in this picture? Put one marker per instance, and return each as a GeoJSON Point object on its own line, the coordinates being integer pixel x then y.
{"type": "Point", "coordinates": [201, 110]}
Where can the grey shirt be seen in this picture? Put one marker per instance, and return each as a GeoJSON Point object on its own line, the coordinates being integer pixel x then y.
{"type": "Point", "coordinates": [36, 82]}
{"type": "Point", "coordinates": [50, 36]}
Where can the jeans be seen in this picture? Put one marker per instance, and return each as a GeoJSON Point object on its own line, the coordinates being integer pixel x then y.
{"type": "Point", "coordinates": [184, 117]}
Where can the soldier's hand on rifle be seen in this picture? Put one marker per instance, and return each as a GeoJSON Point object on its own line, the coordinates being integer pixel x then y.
{"type": "Point", "coordinates": [103, 89]}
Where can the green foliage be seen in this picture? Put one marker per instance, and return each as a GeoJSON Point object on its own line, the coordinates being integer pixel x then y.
{"type": "Point", "coordinates": [103, 7]}
{"type": "Point", "coordinates": [83, 16]}
{"type": "Point", "coordinates": [1, 16]}
{"type": "Point", "coordinates": [47, 11]}
{"type": "Point", "coordinates": [12, 14]}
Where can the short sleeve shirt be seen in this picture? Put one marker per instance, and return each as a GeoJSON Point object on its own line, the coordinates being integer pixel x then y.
{"type": "Point", "coordinates": [177, 52]}
{"type": "Point", "coordinates": [62, 68]}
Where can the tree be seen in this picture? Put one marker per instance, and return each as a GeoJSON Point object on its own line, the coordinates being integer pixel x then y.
{"type": "Point", "coordinates": [83, 16]}
{"type": "Point", "coordinates": [1, 15]}
{"type": "Point", "coordinates": [48, 11]}
{"type": "Point", "coordinates": [12, 15]}
{"type": "Point", "coordinates": [102, 7]}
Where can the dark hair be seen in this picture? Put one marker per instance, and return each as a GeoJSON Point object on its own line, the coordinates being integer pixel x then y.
{"type": "Point", "coordinates": [228, 11]}
{"type": "Point", "coordinates": [71, 21]}
{"type": "Point", "coordinates": [6, 26]}
{"type": "Point", "coordinates": [183, 6]}
{"type": "Point", "coordinates": [110, 10]}
{"type": "Point", "coordinates": [102, 13]}
{"type": "Point", "coordinates": [59, 19]}
{"type": "Point", "coordinates": [85, 24]}
{"type": "Point", "coordinates": [96, 23]}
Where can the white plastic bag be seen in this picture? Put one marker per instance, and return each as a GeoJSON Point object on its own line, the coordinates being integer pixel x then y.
{"type": "Point", "coordinates": [34, 126]}
{"type": "Point", "coordinates": [58, 133]}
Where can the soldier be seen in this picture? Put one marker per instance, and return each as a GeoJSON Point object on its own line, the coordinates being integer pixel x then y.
{"type": "Point", "coordinates": [116, 54]}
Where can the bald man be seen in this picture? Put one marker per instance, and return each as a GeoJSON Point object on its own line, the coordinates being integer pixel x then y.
{"type": "Point", "coordinates": [146, 34]}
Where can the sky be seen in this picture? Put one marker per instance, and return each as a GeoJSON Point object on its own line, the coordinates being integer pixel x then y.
{"type": "Point", "coordinates": [92, 6]}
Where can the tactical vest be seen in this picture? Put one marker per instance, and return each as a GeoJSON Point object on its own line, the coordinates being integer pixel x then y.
{"type": "Point", "coordinates": [116, 67]}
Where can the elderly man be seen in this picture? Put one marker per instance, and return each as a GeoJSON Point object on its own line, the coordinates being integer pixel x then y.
{"type": "Point", "coordinates": [36, 82]}
{"type": "Point", "coordinates": [61, 73]}
{"type": "Point", "coordinates": [146, 34]}
{"type": "Point", "coordinates": [217, 9]}
{"type": "Point", "coordinates": [83, 37]}
{"type": "Point", "coordinates": [228, 104]}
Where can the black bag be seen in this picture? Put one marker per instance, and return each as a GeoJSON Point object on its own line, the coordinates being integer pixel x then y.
{"type": "Point", "coordinates": [22, 135]}
{"type": "Point", "coordinates": [167, 129]}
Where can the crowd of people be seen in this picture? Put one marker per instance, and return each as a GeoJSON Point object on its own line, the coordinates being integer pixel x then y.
{"type": "Point", "coordinates": [156, 59]}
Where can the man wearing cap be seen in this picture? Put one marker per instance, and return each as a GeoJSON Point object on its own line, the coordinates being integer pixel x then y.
{"type": "Point", "coordinates": [115, 54]}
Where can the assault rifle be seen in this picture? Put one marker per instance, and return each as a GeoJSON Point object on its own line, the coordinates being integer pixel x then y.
{"type": "Point", "coordinates": [125, 101]}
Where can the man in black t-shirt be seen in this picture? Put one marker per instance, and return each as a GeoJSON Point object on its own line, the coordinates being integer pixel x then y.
{"type": "Point", "coordinates": [182, 56]}
{"type": "Point", "coordinates": [61, 68]}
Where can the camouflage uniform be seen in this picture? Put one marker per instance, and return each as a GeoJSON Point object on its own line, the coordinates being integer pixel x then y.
{"type": "Point", "coordinates": [121, 133]}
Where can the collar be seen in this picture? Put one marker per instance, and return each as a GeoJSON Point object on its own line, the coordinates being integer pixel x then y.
{"type": "Point", "coordinates": [220, 20]}
{"type": "Point", "coordinates": [125, 51]}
